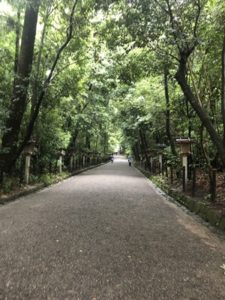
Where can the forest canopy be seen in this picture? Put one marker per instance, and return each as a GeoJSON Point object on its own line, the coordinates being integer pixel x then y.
{"type": "Point", "coordinates": [95, 77]}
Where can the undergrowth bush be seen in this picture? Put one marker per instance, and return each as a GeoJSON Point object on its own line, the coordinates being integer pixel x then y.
{"type": "Point", "coordinates": [47, 179]}
{"type": "Point", "coordinates": [9, 184]}
{"type": "Point", "coordinates": [158, 180]}
{"type": "Point", "coordinates": [34, 179]}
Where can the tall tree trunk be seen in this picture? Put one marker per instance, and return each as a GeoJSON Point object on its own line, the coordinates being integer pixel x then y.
{"type": "Point", "coordinates": [168, 123]}
{"type": "Point", "coordinates": [88, 141]}
{"type": "Point", "coordinates": [17, 44]}
{"type": "Point", "coordinates": [72, 143]}
{"type": "Point", "coordinates": [188, 116]}
{"type": "Point", "coordinates": [223, 90]}
{"type": "Point", "coordinates": [21, 83]}
{"type": "Point", "coordinates": [182, 81]}
{"type": "Point", "coordinates": [136, 151]}
{"type": "Point", "coordinates": [74, 136]}
{"type": "Point", "coordinates": [106, 143]}
{"type": "Point", "coordinates": [36, 85]}
{"type": "Point", "coordinates": [144, 148]}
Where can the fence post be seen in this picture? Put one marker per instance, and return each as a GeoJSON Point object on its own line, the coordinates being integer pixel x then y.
{"type": "Point", "coordinates": [27, 168]}
{"type": "Point", "coordinates": [184, 178]}
{"type": "Point", "coordinates": [213, 186]}
{"type": "Point", "coordinates": [193, 182]}
{"type": "Point", "coordinates": [171, 174]}
{"type": "Point", "coordinates": [160, 164]}
{"type": "Point", "coordinates": [166, 169]}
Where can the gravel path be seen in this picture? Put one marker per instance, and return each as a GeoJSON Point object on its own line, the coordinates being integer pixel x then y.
{"type": "Point", "coordinates": [106, 234]}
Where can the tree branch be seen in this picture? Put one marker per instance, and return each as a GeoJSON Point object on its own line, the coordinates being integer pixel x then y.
{"type": "Point", "coordinates": [197, 17]}
{"type": "Point", "coordinates": [173, 24]}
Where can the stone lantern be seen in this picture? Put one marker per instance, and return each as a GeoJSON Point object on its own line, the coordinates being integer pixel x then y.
{"type": "Point", "coordinates": [185, 151]}
{"type": "Point", "coordinates": [28, 150]}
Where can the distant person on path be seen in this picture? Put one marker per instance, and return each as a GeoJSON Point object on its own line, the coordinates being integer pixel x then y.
{"type": "Point", "coordinates": [130, 159]}
{"type": "Point", "coordinates": [111, 158]}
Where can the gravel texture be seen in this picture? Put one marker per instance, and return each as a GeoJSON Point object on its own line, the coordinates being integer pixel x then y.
{"type": "Point", "coordinates": [106, 234]}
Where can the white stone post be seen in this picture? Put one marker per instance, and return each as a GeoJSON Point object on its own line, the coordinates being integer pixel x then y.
{"type": "Point", "coordinates": [151, 162]}
{"type": "Point", "coordinates": [185, 164]}
{"type": "Point", "coordinates": [71, 162]}
{"type": "Point", "coordinates": [60, 163]}
{"type": "Point", "coordinates": [27, 168]}
{"type": "Point", "coordinates": [160, 163]}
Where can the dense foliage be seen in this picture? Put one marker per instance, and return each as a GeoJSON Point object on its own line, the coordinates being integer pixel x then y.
{"type": "Point", "coordinates": [95, 76]}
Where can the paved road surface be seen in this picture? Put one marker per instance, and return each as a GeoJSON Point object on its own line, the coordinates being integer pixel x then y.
{"type": "Point", "coordinates": [106, 234]}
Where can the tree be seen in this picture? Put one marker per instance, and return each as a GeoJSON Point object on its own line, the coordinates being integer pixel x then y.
{"type": "Point", "coordinates": [11, 149]}
{"type": "Point", "coordinates": [21, 83]}
{"type": "Point", "coordinates": [172, 28]}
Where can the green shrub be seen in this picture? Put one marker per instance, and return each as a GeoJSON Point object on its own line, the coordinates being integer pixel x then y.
{"type": "Point", "coordinates": [46, 179]}
{"type": "Point", "coordinates": [34, 179]}
{"type": "Point", "coordinates": [9, 184]}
